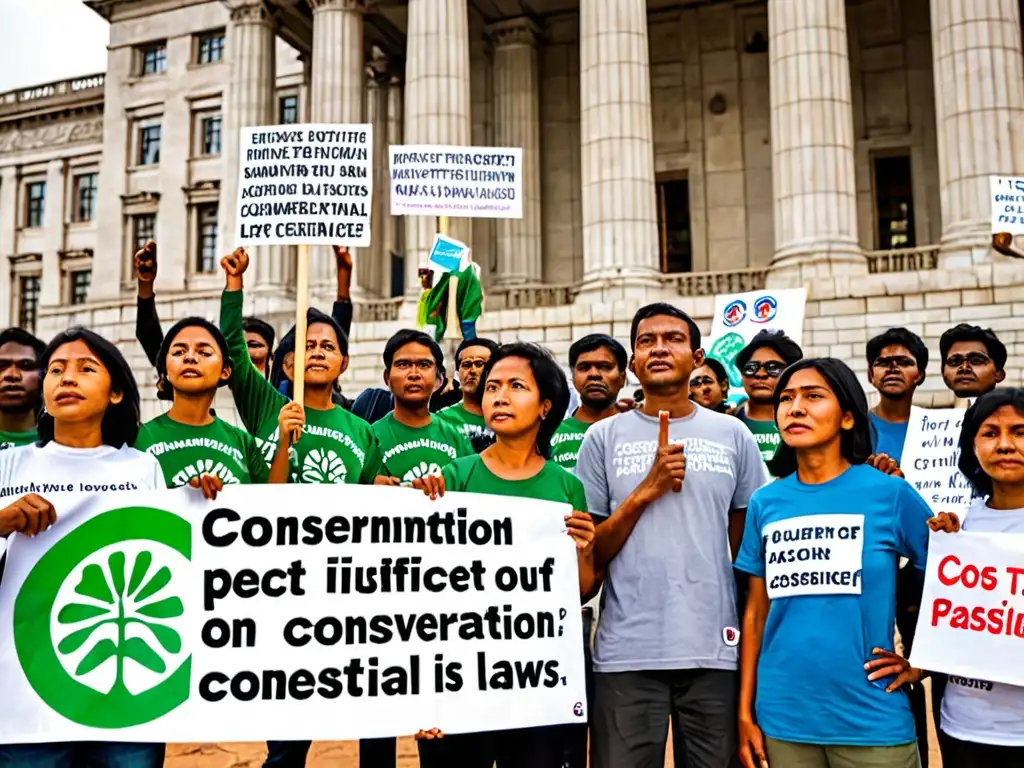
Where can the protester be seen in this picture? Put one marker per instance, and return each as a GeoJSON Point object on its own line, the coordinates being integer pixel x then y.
{"type": "Point", "coordinates": [19, 387]}
{"type": "Point", "coordinates": [973, 360]}
{"type": "Point", "coordinates": [523, 400]}
{"type": "Point", "coordinates": [666, 643]}
{"type": "Point", "coordinates": [761, 363]}
{"type": "Point", "coordinates": [982, 722]}
{"type": "Point", "coordinates": [90, 421]}
{"type": "Point", "coordinates": [195, 447]}
{"type": "Point", "coordinates": [598, 364]}
{"type": "Point", "coordinates": [826, 709]}
{"type": "Point", "coordinates": [471, 357]}
{"type": "Point", "coordinates": [897, 361]}
{"type": "Point", "coordinates": [709, 385]}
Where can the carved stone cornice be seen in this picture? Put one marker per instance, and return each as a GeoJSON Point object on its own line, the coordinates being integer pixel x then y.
{"type": "Point", "coordinates": [55, 134]}
{"type": "Point", "coordinates": [519, 31]}
{"type": "Point", "coordinates": [352, 6]}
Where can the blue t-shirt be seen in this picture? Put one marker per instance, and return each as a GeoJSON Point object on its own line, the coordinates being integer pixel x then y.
{"type": "Point", "coordinates": [829, 554]}
{"type": "Point", "coordinates": [889, 437]}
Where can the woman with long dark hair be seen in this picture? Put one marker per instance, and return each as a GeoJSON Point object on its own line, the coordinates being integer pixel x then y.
{"type": "Point", "coordinates": [822, 545]}
{"type": "Point", "coordinates": [90, 422]}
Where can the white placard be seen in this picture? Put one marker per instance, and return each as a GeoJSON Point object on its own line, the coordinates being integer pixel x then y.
{"type": "Point", "coordinates": [972, 611]}
{"type": "Point", "coordinates": [1007, 199]}
{"type": "Point", "coordinates": [289, 612]}
{"type": "Point", "coordinates": [814, 555]}
{"type": "Point", "coordinates": [930, 455]}
{"type": "Point", "coordinates": [464, 182]}
{"type": "Point", "coordinates": [305, 185]}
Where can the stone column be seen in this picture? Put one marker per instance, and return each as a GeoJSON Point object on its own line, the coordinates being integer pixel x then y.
{"type": "Point", "coordinates": [517, 124]}
{"type": "Point", "coordinates": [380, 217]}
{"type": "Point", "coordinates": [53, 233]}
{"type": "Point", "coordinates": [812, 140]}
{"type": "Point", "coordinates": [251, 100]}
{"type": "Point", "coordinates": [390, 241]}
{"type": "Point", "coordinates": [979, 107]}
{"type": "Point", "coordinates": [8, 237]}
{"type": "Point", "coordinates": [437, 106]}
{"type": "Point", "coordinates": [620, 229]}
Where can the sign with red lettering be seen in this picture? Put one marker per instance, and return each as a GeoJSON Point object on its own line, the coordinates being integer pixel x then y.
{"type": "Point", "coordinates": [972, 611]}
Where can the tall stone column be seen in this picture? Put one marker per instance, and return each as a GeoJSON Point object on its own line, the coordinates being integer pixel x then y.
{"type": "Point", "coordinates": [390, 240]}
{"type": "Point", "coordinates": [620, 222]}
{"type": "Point", "coordinates": [812, 140]}
{"type": "Point", "coordinates": [979, 108]}
{"type": "Point", "coordinates": [53, 232]}
{"type": "Point", "coordinates": [8, 234]}
{"type": "Point", "coordinates": [380, 217]}
{"type": "Point", "coordinates": [517, 124]}
{"type": "Point", "coordinates": [336, 96]}
{"type": "Point", "coordinates": [437, 106]}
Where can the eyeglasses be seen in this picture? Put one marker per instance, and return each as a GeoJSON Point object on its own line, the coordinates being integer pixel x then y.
{"type": "Point", "coordinates": [468, 365]}
{"type": "Point", "coordinates": [897, 361]}
{"type": "Point", "coordinates": [773, 368]}
{"type": "Point", "coordinates": [973, 360]}
{"type": "Point", "coordinates": [702, 381]}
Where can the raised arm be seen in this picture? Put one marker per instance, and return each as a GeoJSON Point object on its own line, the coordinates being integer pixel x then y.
{"type": "Point", "coordinates": [147, 324]}
{"type": "Point", "coordinates": [342, 310]}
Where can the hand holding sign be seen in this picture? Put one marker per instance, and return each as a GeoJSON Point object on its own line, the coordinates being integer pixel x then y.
{"type": "Point", "coordinates": [291, 421]}
{"type": "Point", "coordinates": [669, 467]}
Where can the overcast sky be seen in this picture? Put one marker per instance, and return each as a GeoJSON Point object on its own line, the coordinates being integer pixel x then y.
{"type": "Point", "coordinates": [46, 40]}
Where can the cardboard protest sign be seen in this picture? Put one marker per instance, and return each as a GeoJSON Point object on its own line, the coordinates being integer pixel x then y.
{"type": "Point", "coordinates": [1007, 201]}
{"type": "Point", "coordinates": [972, 610]}
{"type": "Point", "coordinates": [930, 455]}
{"type": "Point", "coordinates": [464, 182]}
{"type": "Point", "coordinates": [289, 612]}
{"type": "Point", "coordinates": [305, 185]}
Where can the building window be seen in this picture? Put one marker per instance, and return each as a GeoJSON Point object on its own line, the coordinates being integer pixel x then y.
{"type": "Point", "coordinates": [288, 110]}
{"type": "Point", "coordinates": [80, 282]}
{"type": "Point", "coordinates": [206, 247]}
{"type": "Point", "coordinates": [143, 229]}
{"type": "Point", "coordinates": [674, 241]}
{"type": "Point", "coordinates": [28, 301]}
{"type": "Point", "coordinates": [85, 196]}
{"type": "Point", "coordinates": [211, 48]}
{"type": "Point", "coordinates": [35, 202]}
{"type": "Point", "coordinates": [154, 58]}
{"type": "Point", "coordinates": [149, 144]}
{"type": "Point", "coordinates": [894, 202]}
{"type": "Point", "coordinates": [211, 135]}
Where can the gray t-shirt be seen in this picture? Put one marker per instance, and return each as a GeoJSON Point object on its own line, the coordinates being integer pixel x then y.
{"type": "Point", "coordinates": [670, 594]}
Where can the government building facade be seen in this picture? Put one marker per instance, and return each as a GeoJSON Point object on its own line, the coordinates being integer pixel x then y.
{"type": "Point", "coordinates": [673, 149]}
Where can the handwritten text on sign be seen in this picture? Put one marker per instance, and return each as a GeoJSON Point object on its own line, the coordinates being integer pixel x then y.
{"type": "Point", "coordinates": [972, 611]}
{"type": "Point", "coordinates": [1007, 198]}
{"type": "Point", "coordinates": [814, 555]}
{"type": "Point", "coordinates": [930, 455]}
{"type": "Point", "coordinates": [162, 617]}
{"type": "Point", "coordinates": [305, 185]}
{"type": "Point", "coordinates": [481, 182]}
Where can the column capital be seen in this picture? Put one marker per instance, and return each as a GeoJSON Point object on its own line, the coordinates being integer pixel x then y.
{"type": "Point", "coordinates": [519, 31]}
{"type": "Point", "coordinates": [250, 12]}
{"type": "Point", "coordinates": [352, 6]}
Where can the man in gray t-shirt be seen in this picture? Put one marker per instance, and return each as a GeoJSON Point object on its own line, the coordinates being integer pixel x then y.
{"type": "Point", "coordinates": [670, 511]}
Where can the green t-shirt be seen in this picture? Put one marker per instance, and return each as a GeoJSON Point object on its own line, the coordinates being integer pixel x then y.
{"type": "Point", "coordinates": [411, 452]}
{"type": "Point", "coordinates": [552, 483]}
{"type": "Point", "coordinates": [766, 433]}
{"type": "Point", "coordinates": [336, 447]}
{"type": "Point", "coordinates": [566, 442]}
{"type": "Point", "coordinates": [17, 439]}
{"type": "Point", "coordinates": [217, 448]}
{"type": "Point", "coordinates": [472, 427]}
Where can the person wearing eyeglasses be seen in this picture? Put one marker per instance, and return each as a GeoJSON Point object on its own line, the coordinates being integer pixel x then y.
{"type": "Point", "coordinates": [897, 360]}
{"type": "Point", "coordinates": [468, 416]}
{"type": "Point", "coordinates": [761, 363]}
{"type": "Point", "coordinates": [973, 360]}
{"type": "Point", "coordinates": [709, 386]}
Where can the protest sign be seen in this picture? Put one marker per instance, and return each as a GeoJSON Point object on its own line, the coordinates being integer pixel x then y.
{"type": "Point", "coordinates": [448, 255]}
{"type": "Point", "coordinates": [814, 555]}
{"type": "Point", "coordinates": [464, 182]}
{"type": "Point", "coordinates": [1007, 199]}
{"type": "Point", "coordinates": [374, 612]}
{"type": "Point", "coordinates": [930, 455]}
{"type": "Point", "coordinates": [741, 316]}
{"type": "Point", "coordinates": [305, 185]}
{"type": "Point", "coordinates": [972, 610]}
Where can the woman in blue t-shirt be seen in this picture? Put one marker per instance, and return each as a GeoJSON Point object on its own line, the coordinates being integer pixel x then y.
{"type": "Point", "coordinates": [822, 545]}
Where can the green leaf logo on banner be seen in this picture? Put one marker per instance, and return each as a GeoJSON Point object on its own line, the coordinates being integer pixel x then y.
{"type": "Point", "coordinates": [98, 623]}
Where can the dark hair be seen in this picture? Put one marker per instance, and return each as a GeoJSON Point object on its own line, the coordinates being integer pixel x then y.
{"type": "Point", "coordinates": [410, 336]}
{"type": "Point", "coordinates": [964, 332]}
{"type": "Point", "coordinates": [594, 342]}
{"type": "Point", "coordinates": [718, 369]}
{"type": "Point", "coordinates": [903, 338]}
{"type": "Point", "coordinates": [479, 341]}
{"type": "Point", "coordinates": [855, 443]}
{"type": "Point", "coordinates": [287, 344]}
{"type": "Point", "coordinates": [783, 345]}
{"type": "Point", "coordinates": [21, 336]}
{"type": "Point", "coordinates": [261, 327]}
{"type": "Point", "coordinates": [664, 308]}
{"type": "Point", "coordinates": [121, 421]}
{"type": "Point", "coordinates": [164, 391]}
{"type": "Point", "coordinates": [982, 408]}
{"type": "Point", "coordinates": [550, 380]}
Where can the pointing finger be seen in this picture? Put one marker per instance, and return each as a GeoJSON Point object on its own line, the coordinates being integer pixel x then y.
{"type": "Point", "coordinates": [663, 429]}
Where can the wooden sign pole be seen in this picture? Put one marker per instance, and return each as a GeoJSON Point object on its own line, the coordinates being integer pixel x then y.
{"type": "Point", "coordinates": [301, 306]}
{"type": "Point", "coordinates": [452, 329]}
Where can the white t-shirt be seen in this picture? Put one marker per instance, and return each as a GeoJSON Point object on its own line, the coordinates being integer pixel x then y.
{"type": "Point", "coordinates": [978, 710]}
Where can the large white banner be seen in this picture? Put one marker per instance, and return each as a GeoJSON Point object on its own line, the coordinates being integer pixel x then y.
{"type": "Point", "coordinates": [468, 182]}
{"type": "Point", "coordinates": [930, 455]}
{"type": "Point", "coordinates": [972, 611]}
{"type": "Point", "coordinates": [1007, 200]}
{"type": "Point", "coordinates": [289, 612]}
{"type": "Point", "coordinates": [304, 185]}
